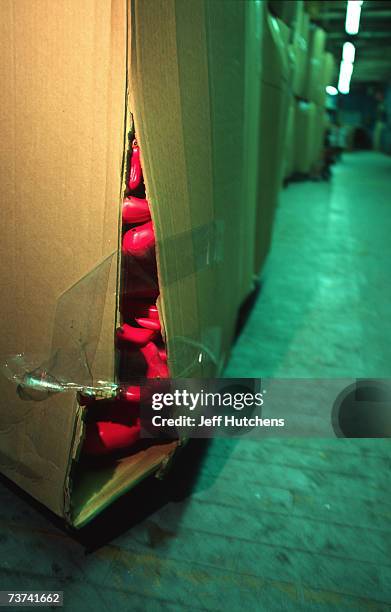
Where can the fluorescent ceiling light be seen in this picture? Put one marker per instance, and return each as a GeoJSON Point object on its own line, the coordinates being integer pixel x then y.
{"type": "Point", "coordinates": [331, 90]}
{"type": "Point", "coordinates": [353, 13]}
{"type": "Point", "coordinates": [345, 74]}
{"type": "Point", "coordinates": [348, 52]}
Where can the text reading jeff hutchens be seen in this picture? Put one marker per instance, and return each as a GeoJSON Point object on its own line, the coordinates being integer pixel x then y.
{"type": "Point", "coordinates": [193, 401]}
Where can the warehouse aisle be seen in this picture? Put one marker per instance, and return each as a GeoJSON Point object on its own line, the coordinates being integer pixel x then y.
{"type": "Point", "coordinates": [274, 525]}
{"type": "Point", "coordinates": [326, 296]}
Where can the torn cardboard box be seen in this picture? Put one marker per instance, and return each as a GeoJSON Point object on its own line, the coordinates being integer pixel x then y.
{"type": "Point", "coordinates": [73, 75]}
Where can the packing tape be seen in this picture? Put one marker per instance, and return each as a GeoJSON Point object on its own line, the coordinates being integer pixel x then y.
{"type": "Point", "coordinates": [194, 358]}
{"type": "Point", "coordinates": [78, 321]}
{"type": "Point", "coordinates": [195, 250]}
{"type": "Point", "coordinates": [75, 338]}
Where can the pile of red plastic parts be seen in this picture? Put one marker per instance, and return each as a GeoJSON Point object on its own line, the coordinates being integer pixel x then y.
{"type": "Point", "coordinates": [114, 424]}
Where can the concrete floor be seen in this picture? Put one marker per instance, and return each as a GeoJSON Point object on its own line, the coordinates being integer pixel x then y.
{"type": "Point", "coordinates": [294, 524]}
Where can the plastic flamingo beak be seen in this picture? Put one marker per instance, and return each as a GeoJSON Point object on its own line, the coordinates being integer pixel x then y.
{"type": "Point", "coordinates": [151, 321]}
{"type": "Point", "coordinates": [104, 437]}
{"type": "Point", "coordinates": [138, 241]}
{"type": "Point", "coordinates": [135, 173]}
{"type": "Point", "coordinates": [135, 210]}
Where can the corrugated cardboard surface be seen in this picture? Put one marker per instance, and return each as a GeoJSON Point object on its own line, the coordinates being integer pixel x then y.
{"type": "Point", "coordinates": [188, 101]}
{"type": "Point", "coordinates": [63, 68]}
{"type": "Point", "coordinates": [191, 70]}
{"type": "Point", "coordinates": [191, 73]}
{"type": "Point", "coordinates": [309, 128]}
{"type": "Point", "coordinates": [300, 45]}
{"type": "Point", "coordinates": [319, 134]}
{"type": "Point", "coordinates": [190, 76]}
{"type": "Point", "coordinates": [274, 106]}
{"type": "Point", "coordinates": [314, 84]}
{"type": "Point", "coordinates": [289, 138]}
{"type": "Point", "coordinates": [289, 50]}
{"type": "Point", "coordinates": [253, 137]}
{"type": "Point", "coordinates": [325, 77]}
{"type": "Point", "coordinates": [304, 139]}
{"type": "Point", "coordinates": [286, 10]}
{"type": "Point", "coordinates": [329, 68]}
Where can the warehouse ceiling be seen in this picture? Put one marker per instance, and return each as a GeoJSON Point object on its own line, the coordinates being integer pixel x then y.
{"type": "Point", "coordinates": [373, 42]}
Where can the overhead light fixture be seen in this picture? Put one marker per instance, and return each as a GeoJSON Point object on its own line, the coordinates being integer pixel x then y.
{"type": "Point", "coordinates": [331, 90]}
{"type": "Point", "coordinates": [346, 67]}
{"type": "Point", "coordinates": [345, 74]}
{"type": "Point", "coordinates": [348, 52]}
{"type": "Point", "coordinates": [353, 14]}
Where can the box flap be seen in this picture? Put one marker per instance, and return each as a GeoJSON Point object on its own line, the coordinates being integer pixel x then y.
{"type": "Point", "coordinates": [95, 487]}
{"type": "Point", "coordinates": [187, 96]}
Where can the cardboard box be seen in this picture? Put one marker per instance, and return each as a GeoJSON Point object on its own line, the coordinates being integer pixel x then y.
{"type": "Point", "coordinates": [289, 138]}
{"type": "Point", "coordinates": [320, 124]}
{"type": "Point", "coordinates": [73, 74]}
{"type": "Point", "coordinates": [325, 77]}
{"type": "Point", "coordinates": [300, 41]}
{"type": "Point", "coordinates": [287, 123]}
{"type": "Point", "coordinates": [286, 36]}
{"type": "Point", "coordinates": [319, 93]}
{"type": "Point", "coordinates": [274, 104]}
{"type": "Point", "coordinates": [314, 80]}
{"type": "Point", "coordinates": [329, 69]}
{"type": "Point", "coordinates": [304, 136]}
{"type": "Point", "coordinates": [63, 106]}
{"type": "Point", "coordinates": [286, 10]}
{"type": "Point", "coordinates": [378, 132]}
{"type": "Point", "coordinates": [209, 171]}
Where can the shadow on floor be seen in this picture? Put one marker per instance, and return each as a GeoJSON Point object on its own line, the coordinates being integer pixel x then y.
{"type": "Point", "coordinates": [146, 498]}
{"type": "Point", "coordinates": [246, 308]}
{"type": "Point", "coordinates": [133, 507]}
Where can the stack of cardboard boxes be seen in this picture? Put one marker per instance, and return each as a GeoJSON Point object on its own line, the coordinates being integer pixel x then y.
{"type": "Point", "coordinates": [212, 89]}
{"type": "Point", "coordinates": [276, 74]}
{"type": "Point", "coordinates": [312, 71]}
{"type": "Point", "coordinates": [295, 72]}
{"type": "Point", "coordinates": [188, 76]}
